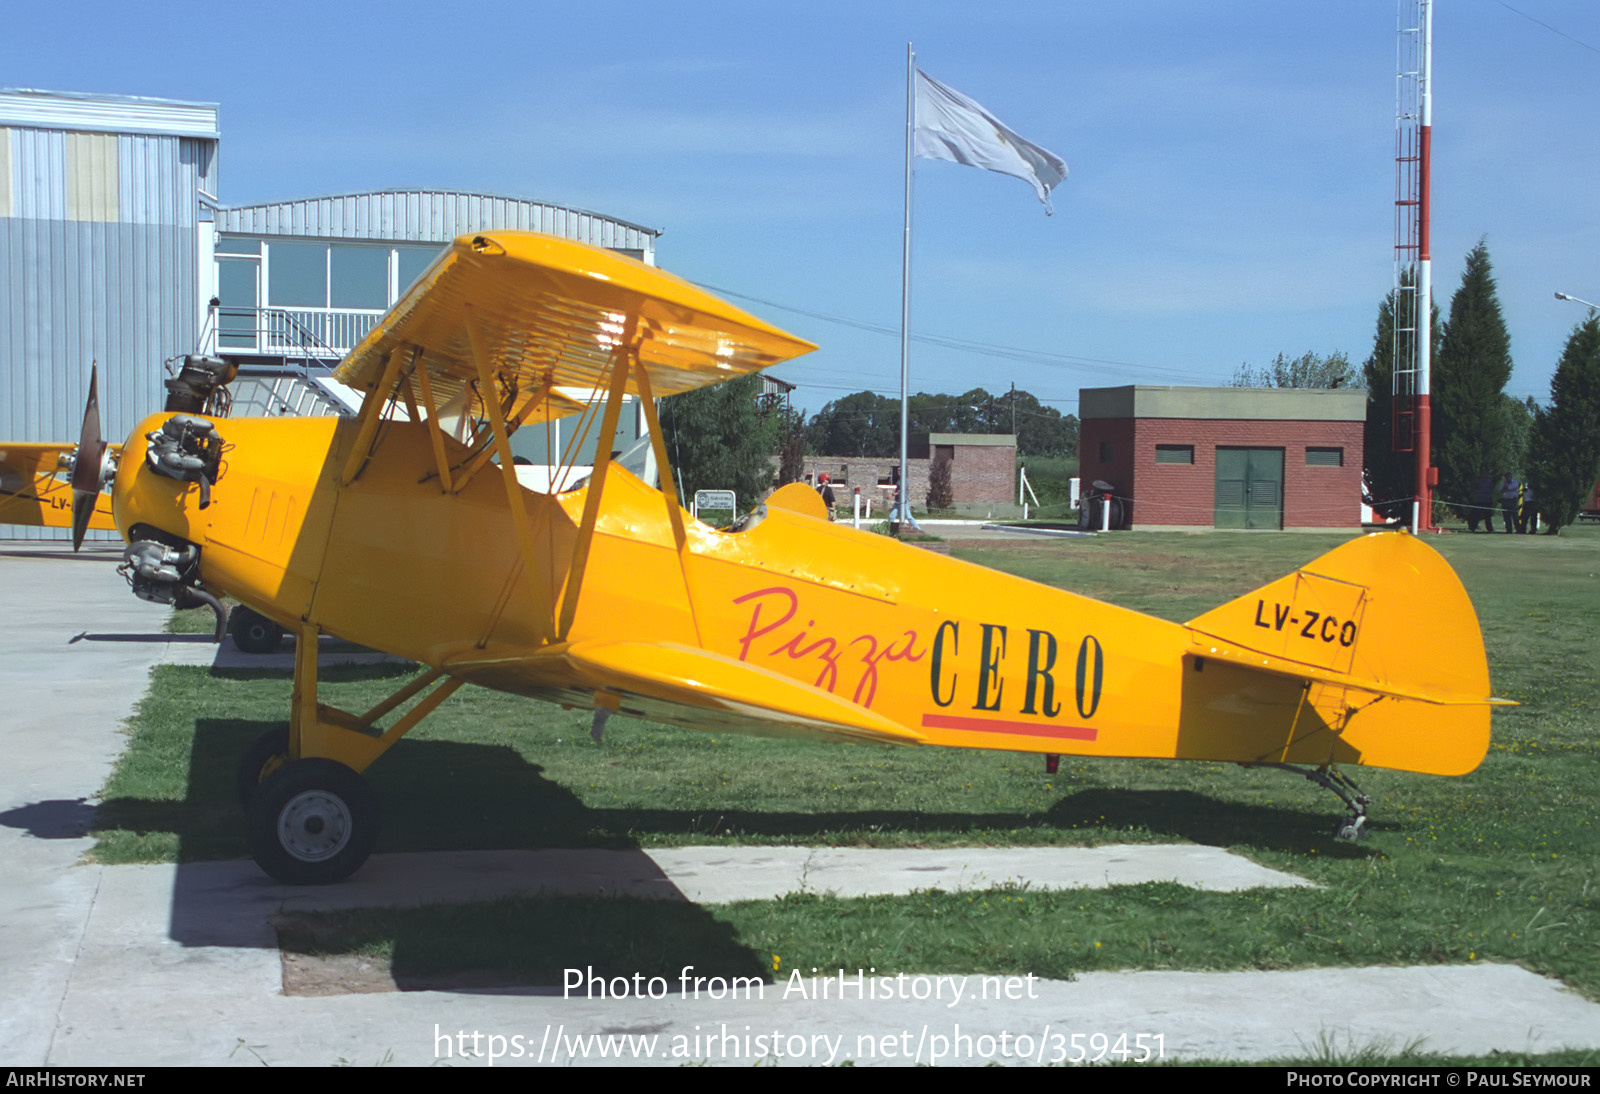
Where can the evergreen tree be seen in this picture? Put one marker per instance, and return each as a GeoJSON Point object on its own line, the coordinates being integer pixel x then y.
{"type": "Point", "coordinates": [1470, 421]}
{"type": "Point", "coordinates": [718, 440]}
{"type": "Point", "coordinates": [1391, 475]}
{"type": "Point", "coordinates": [792, 454]}
{"type": "Point", "coordinates": [1516, 423]}
{"type": "Point", "coordinates": [1564, 445]}
{"type": "Point", "coordinates": [941, 492]}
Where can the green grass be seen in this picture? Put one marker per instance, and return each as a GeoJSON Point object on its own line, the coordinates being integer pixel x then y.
{"type": "Point", "coordinates": [1501, 865]}
{"type": "Point", "coordinates": [1050, 477]}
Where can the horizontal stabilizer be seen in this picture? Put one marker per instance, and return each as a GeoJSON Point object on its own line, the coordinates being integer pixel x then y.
{"type": "Point", "coordinates": [1207, 646]}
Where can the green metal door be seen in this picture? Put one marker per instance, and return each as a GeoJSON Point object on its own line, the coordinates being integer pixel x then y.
{"type": "Point", "coordinates": [1249, 488]}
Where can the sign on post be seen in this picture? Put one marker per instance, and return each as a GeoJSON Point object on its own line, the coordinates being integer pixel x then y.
{"type": "Point", "coordinates": [713, 499]}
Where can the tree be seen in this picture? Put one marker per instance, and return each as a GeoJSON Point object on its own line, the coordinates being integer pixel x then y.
{"type": "Point", "coordinates": [792, 456]}
{"type": "Point", "coordinates": [868, 424]}
{"type": "Point", "coordinates": [1470, 419]}
{"type": "Point", "coordinates": [718, 439]}
{"type": "Point", "coordinates": [863, 424]}
{"type": "Point", "coordinates": [1391, 475]}
{"type": "Point", "coordinates": [1307, 370]}
{"type": "Point", "coordinates": [1564, 444]}
{"type": "Point", "coordinates": [1516, 425]}
{"type": "Point", "coordinates": [941, 494]}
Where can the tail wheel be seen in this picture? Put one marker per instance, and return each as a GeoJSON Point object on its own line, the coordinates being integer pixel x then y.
{"type": "Point", "coordinates": [269, 753]}
{"type": "Point", "coordinates": [253, 632]}
{"type": "Point", "coordinates": [312, 822]}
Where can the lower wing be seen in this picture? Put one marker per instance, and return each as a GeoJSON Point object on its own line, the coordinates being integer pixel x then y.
{"type": "Point", "coordinates": [681, 685]}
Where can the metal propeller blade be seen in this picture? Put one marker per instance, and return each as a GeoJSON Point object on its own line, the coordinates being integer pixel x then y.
{"type": "Point", "coordinates": [90, 459]}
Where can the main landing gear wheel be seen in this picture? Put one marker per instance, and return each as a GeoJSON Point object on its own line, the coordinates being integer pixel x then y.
{"type": "Point", "coordinates": [253, 632]}
{"type": "Point", "coordinates": [312, 822]}
{"type": "Point", "coordinates": [269, 752]}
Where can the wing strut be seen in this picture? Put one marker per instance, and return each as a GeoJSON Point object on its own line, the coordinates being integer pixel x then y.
{"type": "Point", "coordinates": [513, 423]}
{"type": "Point", "coordinates": [627, 350]}
{"type": "Point", "coordinates": [508, 474]}
{"type": "Point", "coordinates": [371, 415]}
{"type": "Point", "coordinates": [669, 489]}
{"type": "Point", "coordinates": [435, 434]}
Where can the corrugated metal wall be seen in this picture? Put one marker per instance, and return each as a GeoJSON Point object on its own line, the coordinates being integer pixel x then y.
{"type": "Point", "coordinates": [98, 237]}
{"type": "Point", "coordinates": [100, 224]}
{"type": "Point", "coordinates": [430, 216]}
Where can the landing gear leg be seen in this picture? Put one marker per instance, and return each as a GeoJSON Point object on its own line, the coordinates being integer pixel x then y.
{"type": "Point", "coordinates": [311, 816]}
{"type": "Point", "coordinates": [1352, 827]}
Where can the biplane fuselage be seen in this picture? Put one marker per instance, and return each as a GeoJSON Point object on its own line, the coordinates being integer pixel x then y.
{"type": "Point", "coordinates": [407, 530]}
{"type": "Point", "coordinates": [943, 651]}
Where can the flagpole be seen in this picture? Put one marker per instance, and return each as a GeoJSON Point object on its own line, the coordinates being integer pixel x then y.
{"type": "Point", "coordinates": [902, 500]}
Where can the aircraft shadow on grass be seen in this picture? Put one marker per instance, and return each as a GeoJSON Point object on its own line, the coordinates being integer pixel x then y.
{"type": "Point", "coordinates": [495, 799]}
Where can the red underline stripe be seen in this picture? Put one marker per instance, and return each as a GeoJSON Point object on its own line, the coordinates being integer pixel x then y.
{"type": "Point", "coordinates": [999, 725]}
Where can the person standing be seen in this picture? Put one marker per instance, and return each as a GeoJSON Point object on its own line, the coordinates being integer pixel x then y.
{"type": "Point", "coordinates": [1509, 489]}
{"type": "Point", "coordinates": [825, 488]}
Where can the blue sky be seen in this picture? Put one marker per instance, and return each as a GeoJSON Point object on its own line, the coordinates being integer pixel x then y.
{"type": "Point", "coordinates": [1232, 165]}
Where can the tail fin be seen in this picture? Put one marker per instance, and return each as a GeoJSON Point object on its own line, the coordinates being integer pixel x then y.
{"type": "Point", "coordinates": [1388, 644]}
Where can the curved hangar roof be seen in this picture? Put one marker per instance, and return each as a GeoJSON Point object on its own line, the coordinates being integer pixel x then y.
{"type": "Point", "coordinates": [431, 216]}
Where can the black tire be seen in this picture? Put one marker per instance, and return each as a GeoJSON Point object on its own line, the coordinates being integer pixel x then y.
{"type": "Point", "coordinates": [1091, 514]}
{"type": "Point", "coordinates": [269, 752]}
{"type": "Point", "coordinates": [312, 822]}
{"type": "Point", "coordinates": [253, 632]}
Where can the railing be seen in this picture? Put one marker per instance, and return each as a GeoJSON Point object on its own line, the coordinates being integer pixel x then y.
{"type": "Point", "coordinates": [317, 333]}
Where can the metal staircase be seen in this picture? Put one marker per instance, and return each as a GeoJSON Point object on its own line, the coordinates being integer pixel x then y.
{"type": "Point", "coordinates": [296, 380]}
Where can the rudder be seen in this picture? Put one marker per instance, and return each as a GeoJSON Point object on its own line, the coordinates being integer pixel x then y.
{"type": "Point", "coordinates": [1383, 628]}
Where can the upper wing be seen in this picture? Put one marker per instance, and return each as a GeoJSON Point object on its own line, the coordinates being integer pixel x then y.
{"type": "Point", "coordinates": [552, 310]}
{"type": "Point", "coordinates": [32, 492]}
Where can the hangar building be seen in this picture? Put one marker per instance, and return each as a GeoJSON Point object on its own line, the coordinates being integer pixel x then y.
{"type": "Point", "coordinates": [1226, 457]}
{"type": "Point", "coordinates": [113, 244]}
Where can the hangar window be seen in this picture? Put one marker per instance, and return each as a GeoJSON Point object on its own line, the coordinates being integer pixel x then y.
{"type": "Point", "coordinates": [317, 275]}
{"type": "Point", "coordinates": [412, 261]}
{"type": "Point", "coordinates": [298, 276]}
{"type": "Point", "coordinates": [1107, 453]}
{"type": "Point", "coordinates": [1324, 457]}
{"type": "Point", "coordinates": [285, 295]}
{"type": "Point", "coordinates": [1175, 453]}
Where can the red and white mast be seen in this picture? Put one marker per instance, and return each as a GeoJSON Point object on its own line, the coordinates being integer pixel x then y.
{"type": "Point", "coordinates": [1413, 263]}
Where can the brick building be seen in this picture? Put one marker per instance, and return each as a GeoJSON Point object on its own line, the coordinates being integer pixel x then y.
{"type": "Point", "coordinates": [1229, 457]}
{"type": "Point", "coordinates": [983, 473]}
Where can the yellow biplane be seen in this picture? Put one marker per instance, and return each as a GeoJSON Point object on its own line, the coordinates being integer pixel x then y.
{"type": "Point", "coordinates": [406, 529]}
